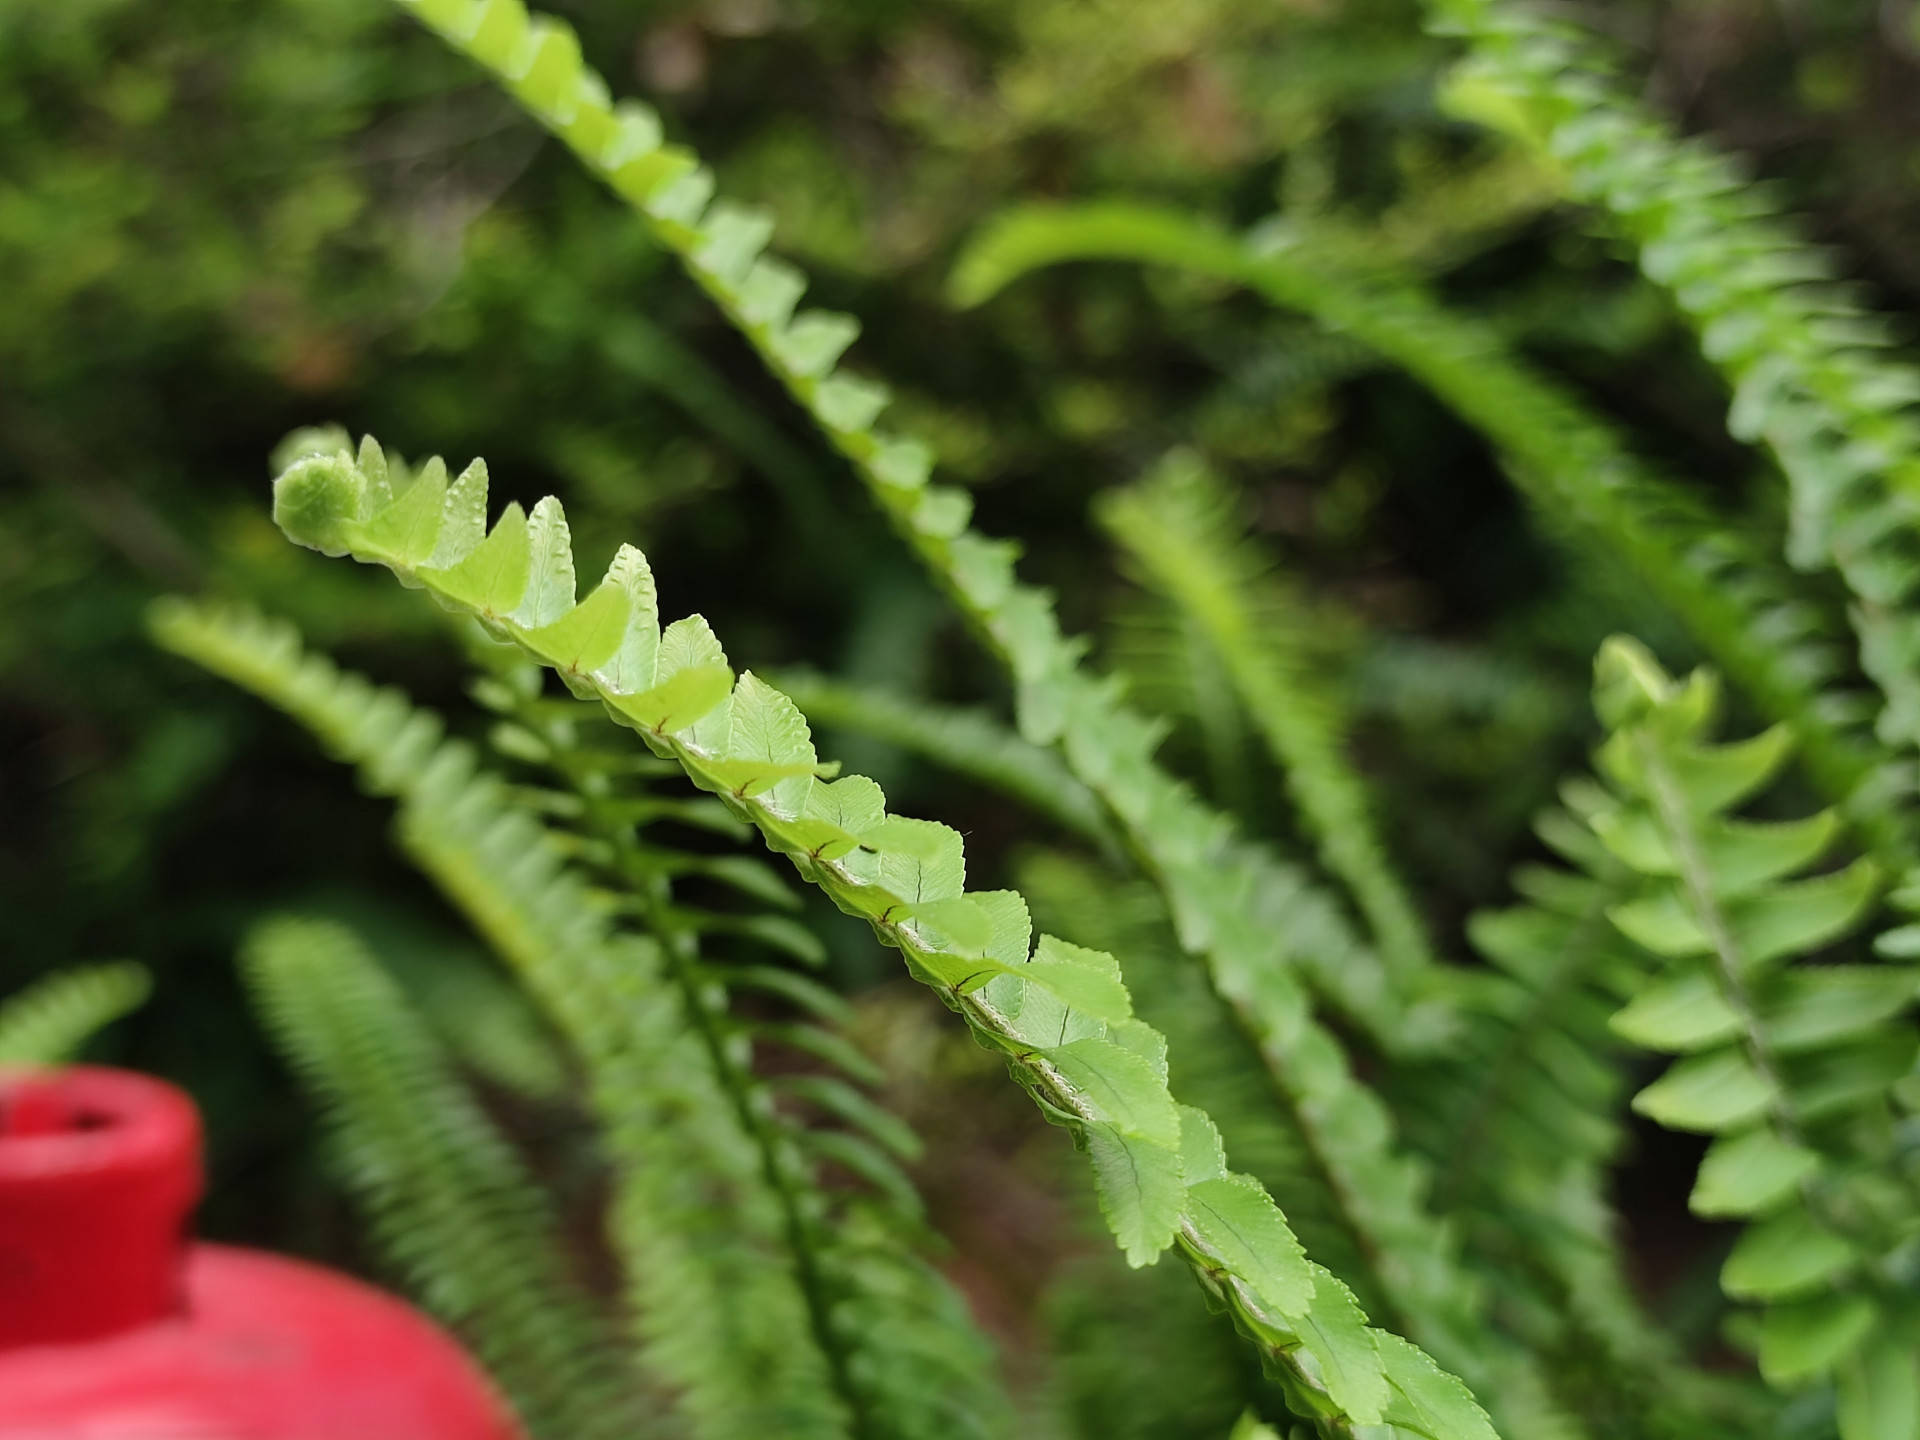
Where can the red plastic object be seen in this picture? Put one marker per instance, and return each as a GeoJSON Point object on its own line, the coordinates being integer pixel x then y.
{"type": "Point", "coordinates": [114, 1327]}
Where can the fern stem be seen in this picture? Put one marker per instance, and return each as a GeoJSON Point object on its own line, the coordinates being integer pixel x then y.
{"type": "Point", "coordinates": [653, 888]}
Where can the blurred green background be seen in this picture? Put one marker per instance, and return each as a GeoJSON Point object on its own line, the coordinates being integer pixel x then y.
{"type": "Point", "coordinates": [222, 221]}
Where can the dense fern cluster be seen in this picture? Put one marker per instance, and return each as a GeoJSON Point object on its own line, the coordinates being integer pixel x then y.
{"type": "Point", "coordinates": [1382, 1145]}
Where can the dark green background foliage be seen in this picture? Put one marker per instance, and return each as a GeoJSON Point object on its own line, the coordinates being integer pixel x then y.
{"type": "Point", "coordinates": [221, 222]}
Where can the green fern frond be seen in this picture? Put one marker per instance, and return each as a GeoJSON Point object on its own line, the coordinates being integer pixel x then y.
{"type": "Point", "coordinates": [1060, 1015]}
{"type": "Point", "coordinates": [701, 1242]}
{"type": "Point", "coordinates": [1811, 372]}
{"type": "Point", "coordinates": [1179, 529]}
{"type": "Point", "coordinates": [907, 1353]}
{"type": "Point", "coordinates": [967, 742]}
{"type": "Point", "coordinates": [1107, 745]}
{"type": "Point", "coordinates": [1789, 1066]}
{"type": "Point", "coordinates": [51, 1019]}
{"type": "Point", "coordinates": [1580, 475]}
{"type": "Point", "coordinates": [1223, 891]}
{"type": "Point", "coordinates": [448, 1198]}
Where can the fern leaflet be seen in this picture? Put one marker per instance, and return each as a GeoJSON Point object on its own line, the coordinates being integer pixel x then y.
{"type": "Point", "coordinates": [967, 742]}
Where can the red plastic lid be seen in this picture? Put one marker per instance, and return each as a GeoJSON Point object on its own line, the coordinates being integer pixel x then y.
{"type": "Point", "coordinates": [99, 1170]}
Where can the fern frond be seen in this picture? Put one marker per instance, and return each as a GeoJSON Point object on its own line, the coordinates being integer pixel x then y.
{"type": "Point", "coordinates": [1225, 892]}
{"type": "Point", "coordinates": [1183, 537]}
{"type": "Point", "coordinates": [448, 1198]}
{"type": "Point", "coordinates": [1059, 1014]}
{"type": "Point", "coordinates": [914, 1365]}
{"type": "Point", "coordinates": [51, 1019]}
{"type": "Point", "coordinates": [1571, 465]}
{"type": "Point", "coordinates": [967, 742]}
{"type": "Point", "coordinates": [1811, 372]}
{"type": "Point", "coordinates": [1527, 1108]}
{"type": "Point", "coordinates": [702, 1244]}
{"type": "Point", "coordinates": [1788, 1066]}
{"type": "Point", "coordinates": [1106, 744]}
{"type": "Point", "coordinates": [1220, 1075]}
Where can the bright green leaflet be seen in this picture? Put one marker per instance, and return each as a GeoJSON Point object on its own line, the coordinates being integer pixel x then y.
{"type": "Point", "coordinates": [1058, 1013]}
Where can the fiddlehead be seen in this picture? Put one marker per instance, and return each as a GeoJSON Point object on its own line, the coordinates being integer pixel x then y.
{"type": "Point", "coordinates": [1060, 1015]}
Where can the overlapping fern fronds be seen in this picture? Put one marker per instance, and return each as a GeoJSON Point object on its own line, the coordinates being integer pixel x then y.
{"type": "Point", "coordinates": [1179, 529]}
{"type": "Point", "coordinates": [1223, 891]}
{"type": "Point", "coordinates": [1791, 1067]}
{"type": "Point", "coordinates": [913, 1361]}
{"type": "Point", "coordinates": [449, 1199]}
{"type": "Point", "coordinates": [50, 1020]}
{"type": "Point", "coordinates": [1812, 372]}
{"type": "Point", "coordinates": [713, 1290]}
{"type": "Point", "coordinates": [1774, 642]}
{"type": "Point", "coordinates": [1059, 1014]}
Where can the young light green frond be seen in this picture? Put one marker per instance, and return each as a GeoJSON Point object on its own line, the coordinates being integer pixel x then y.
{"type": "Point", "coordinates": [448, 1198]}
{"type": "Point", "coordinates": [967, 742]}
{"type": "Point", "coordinates": [1220, 887]}
{"type": "Point", "coordinates": [1107, 745]}
{"type": "Point", "coordinates": [1790, 1066]}
{"type": "Point", "coordinates": [1582, 477]}
{"type": "Point", "coordinates": [51, 1019]}
{"type": "Point", "coordinates": [1811, 373]}
{"type": "Point", "coordinates": [1058, 1014]}
{"type": "Point", "coordinates": [715, 1298]}
{"type": "Point", "coordinates": [877, 1310]}
{"type": "Point", "coordinates": [1180, 531]}
{"type": "Point", "coordinates": [1224, 891]}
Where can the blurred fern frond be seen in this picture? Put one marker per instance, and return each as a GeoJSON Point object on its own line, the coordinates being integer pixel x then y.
{"type": "Point", "coordinates": [449, 1200]}
{"type": "Point", "coordinates": [1179, 529]}
{"type": "Point", "coordinates": [915, 1364]}
{"type": "Point", "coordinates": [1771, 639]}
{"type": "Point", "coordinates": [1812, 373]}
{"type": "Point", "coordinates": [1060, 1014]}
{"type": "Point", "coordinates": [51, 1019]}
{"type": "Point", "coordinates": [702, 1244]}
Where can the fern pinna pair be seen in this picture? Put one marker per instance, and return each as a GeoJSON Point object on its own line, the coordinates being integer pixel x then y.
{"type": "Point", "coordinates": [1382, 1298]}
